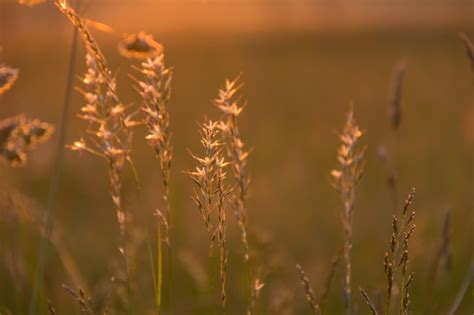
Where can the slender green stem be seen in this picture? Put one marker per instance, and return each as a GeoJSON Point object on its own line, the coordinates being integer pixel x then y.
{"type": "Point", "coordinates": [159, 275]}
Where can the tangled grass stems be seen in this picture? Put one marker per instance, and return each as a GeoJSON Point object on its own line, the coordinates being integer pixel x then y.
{"type": "Point", "coordinates": [346, 179]}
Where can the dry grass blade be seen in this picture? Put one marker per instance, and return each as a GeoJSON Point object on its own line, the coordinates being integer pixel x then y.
{"type": "Point", "coordinates": [371, 305]}
{"type": "Point", "coordinates": [8, 77]}
{"type": "Point", "coordinates": [346, 179]}
{"type": "Point", "coordinates": [310, 296]}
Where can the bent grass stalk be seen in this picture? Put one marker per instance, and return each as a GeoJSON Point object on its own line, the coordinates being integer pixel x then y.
{"type": "Point", "coordinates": [109, 130]}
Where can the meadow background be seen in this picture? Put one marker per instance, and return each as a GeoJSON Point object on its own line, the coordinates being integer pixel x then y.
{"type": "Point", "coordinates": [302, 63]}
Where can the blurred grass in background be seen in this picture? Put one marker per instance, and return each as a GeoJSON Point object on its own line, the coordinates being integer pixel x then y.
{"type": "Point", "coordinates": [302, 64]}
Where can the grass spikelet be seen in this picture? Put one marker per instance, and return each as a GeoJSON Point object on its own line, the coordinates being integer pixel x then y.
{"type": "Point", "coordinates": [140, 46]}
{"type": "Point", "coordinates": [108, 130]}
{"type": "Point", "coordinates": [8, 77]}
{"type": "Point", "coordinates": [345, 180]}
{"type": "Point", "coordinates": [155, 90]}
{"type": "Point", "coordinates": [91, 44]}
{"type": "Point", "coordinates": [310, 296]}
{"type": "Point", "coordinates": [395, 99]}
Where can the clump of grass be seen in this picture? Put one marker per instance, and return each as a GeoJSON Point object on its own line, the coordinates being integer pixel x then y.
{"type": "Point", "coordinates": [211, 193]}
{"type": "Point", "coordinates": [346, 179]}
{"type": "Point", "coordinates": [20, 134]}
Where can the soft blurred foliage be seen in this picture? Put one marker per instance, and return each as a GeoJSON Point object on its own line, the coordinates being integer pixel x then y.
{"type": "Point", "coordinates": [302, 64]}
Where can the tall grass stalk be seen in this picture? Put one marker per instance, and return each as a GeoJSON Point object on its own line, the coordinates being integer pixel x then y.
{"type": "Point", "coordinates": [210, 196]}
{"type": "Point", "coordinates": [109, 130]}
{"type": "Point", "coordinates": [345, 180]}
{"type": "Point", "coordinates": [56, 174]}
{"type": "Point", "coordinates": [228, 102]}
{"type": "Point", "coordinates": [155, 88]}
